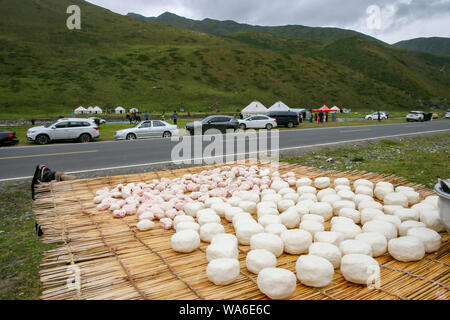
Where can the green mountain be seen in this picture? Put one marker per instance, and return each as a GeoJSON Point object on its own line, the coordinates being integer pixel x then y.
{"type": "Point", "coordinates": [432, 45]}
{"type": "Point", "coordinates": [46, 69]}
{"type": "Point", "coordinates": [221, 28]}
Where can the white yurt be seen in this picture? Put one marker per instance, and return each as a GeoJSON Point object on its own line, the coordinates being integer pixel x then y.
{"type": "Point", "coordinates": [134, 110]}
{"type": "Point", "coordinates": [120, 110]}
{"type": "Point", "coordinates": [336, 109]}
{"type": "Point", "coordinates": [98, 110]}
{"type": "Point", "coordinates": [90, 110]}
{"type": "Point", "coordinates": [80, 110]}
{"type": "Point", "coordinates": [254, 108]}
{"type": "Point", "coordinates": [279, 106]}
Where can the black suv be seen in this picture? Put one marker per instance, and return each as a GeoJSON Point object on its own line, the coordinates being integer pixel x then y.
{"type": "Point", "coordinates": [284, 118]}
{"type": "Point", "coordinates": [221, 123]}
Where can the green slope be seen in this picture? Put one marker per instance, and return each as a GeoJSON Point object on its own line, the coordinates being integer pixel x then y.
{"type": "Point", "coordinates": [435, 45]}
{"type": "Point", "coordinates": [46, 69]}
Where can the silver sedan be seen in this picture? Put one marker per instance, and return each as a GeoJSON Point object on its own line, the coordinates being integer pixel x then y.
{"type": "Point", "coordinates": [148, 129]}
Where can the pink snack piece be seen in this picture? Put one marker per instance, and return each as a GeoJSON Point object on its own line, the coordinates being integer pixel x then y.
{"type": "Point", "coordinates": [119, 213]}
{"type": "Point", "coordinates": [166, 223]}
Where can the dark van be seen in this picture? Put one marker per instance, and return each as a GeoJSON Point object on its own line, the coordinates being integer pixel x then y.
{"type": "Point", "coordinates": [284, 118]}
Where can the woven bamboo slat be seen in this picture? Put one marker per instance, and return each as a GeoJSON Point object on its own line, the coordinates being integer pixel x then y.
{"type": "Point", "coordinates": [110, 259]}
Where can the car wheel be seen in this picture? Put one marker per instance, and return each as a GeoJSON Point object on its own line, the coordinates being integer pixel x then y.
{"type": "Point", "coordinates": [42, 139]}
{"type": "Point", "coordinates": [167, 134]}
{"type": "Point", "coordinates": [269, 126]}
{"type": "Point", "coordinates": [290, 125]}
{"type": "Point", "coordinates": [131, 136]}
{"type": "Point", "coordinates": [242, 126]}
{"type": "Point", "coordinates": [85, 138]}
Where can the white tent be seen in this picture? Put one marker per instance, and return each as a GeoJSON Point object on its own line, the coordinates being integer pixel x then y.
{"type": "Point", "coordinates": [254, 108]}
{"type": "Point", "coordinates": [336, 108]}
{"type": "Point", "coordinates": [279, 106]}
{"type": "Point", "coordinates": [97, 110]}
{"type": "Point", "coordinates": [134, 110]}
{"type": "Point", "coordinates": [80, 110]}
{"type": "Point", "coordinates": [90, 110]}
{"type": "Point", "coordinates": [120, 110]}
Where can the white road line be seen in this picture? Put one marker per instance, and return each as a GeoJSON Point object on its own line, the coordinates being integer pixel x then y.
{"type": "Point", "coordinates": [240, 154]}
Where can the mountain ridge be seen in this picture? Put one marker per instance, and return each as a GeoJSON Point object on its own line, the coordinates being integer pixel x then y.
{"type": "Point", "coordinates": [435, 45]}
{"type": "Point", "coordinates": [218, 27]}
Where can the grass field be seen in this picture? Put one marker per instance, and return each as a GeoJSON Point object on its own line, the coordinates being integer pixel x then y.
{"type": "Point", "coordinates": [419, 160]}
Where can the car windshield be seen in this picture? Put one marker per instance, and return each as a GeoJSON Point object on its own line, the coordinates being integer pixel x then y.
{"type": "Point", "coordinates": [207, 119]}
{"type": "Point", "coordinates": [51, 124]}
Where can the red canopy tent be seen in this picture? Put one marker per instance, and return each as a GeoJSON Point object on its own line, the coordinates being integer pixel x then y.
{"type": "Point", "coordinates": [324, 109]}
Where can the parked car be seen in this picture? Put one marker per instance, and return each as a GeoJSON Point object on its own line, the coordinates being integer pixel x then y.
{"type": "Point", "coordinates": [374, 116]}
{"type": "Point", "coordinates": [221, 123]}
{"type": "Point", "coordinates": [83, 130]}
{"type": "Point", "coordinates": [100, 120]}
{"type": "Point", "coordinates": [415, 116]}
{"type": "Point", "coordinates": [284, 118]}
{"type": "Point", "coordinates": [447, 115]}
{"type": "Point", "coordinates": [8, 138]}
{"type": "Point", "coordinates": [257, 122]}
{"type": "Point", "coordinates": [147, 129]}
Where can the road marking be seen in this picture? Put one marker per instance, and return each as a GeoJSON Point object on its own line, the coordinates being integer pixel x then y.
{"type": "Point", "coordinates": [350, 131]}
{"type": "Point", "coordinates": [48, 155]}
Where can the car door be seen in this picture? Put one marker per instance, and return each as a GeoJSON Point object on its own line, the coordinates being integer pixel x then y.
{"type": "Point", "coordinates": [213, 123]}
{"type": "Point", "coordinates": [260, 122]}
{"type": "Point", "coordinates": [74, 129]}
{"type": "Point", "coordinates": [144, 130]}
{"type": "Point", "coordinates": [249, 122]}
{"type": "Point", "coordinates": [60, 131]}
{"type": "Point", "coordinates": [158, 128]}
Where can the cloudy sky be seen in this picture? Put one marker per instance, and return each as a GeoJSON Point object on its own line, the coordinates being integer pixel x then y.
{"type": "Point", "coordinates": [387, 20]}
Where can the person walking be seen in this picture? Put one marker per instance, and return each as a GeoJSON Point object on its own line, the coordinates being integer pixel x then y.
{"type": "Point", "coordinates": [379, 116]}
{"type": "Point", "coordinates": [175, 117]}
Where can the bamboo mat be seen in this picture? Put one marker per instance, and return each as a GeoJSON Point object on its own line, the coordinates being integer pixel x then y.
{"type": "Point", "coordinates": [99, 257]}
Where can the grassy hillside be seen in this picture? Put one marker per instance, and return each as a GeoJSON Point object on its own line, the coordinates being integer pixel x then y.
{"type": "Point", "coordinates": [46, 69]}
{"type": "Point", "coordinates": [435, 45]}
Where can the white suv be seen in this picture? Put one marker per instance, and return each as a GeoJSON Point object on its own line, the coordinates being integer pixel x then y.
{"type": "Point", "coordinates": [374, 116]}
{"type": "Point", "coordinates": [415, 116]}
{"type": "Point", "coordinates": [83, 130]}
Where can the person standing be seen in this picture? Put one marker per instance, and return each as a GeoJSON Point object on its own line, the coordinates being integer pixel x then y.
{"type": "Point", "coordinates": [146, 116]}
{"type": "Point", "coordinates": [379, 116]}
{"type": "Point", "coordinates": [321, 116]}
{"type": "Point", "coordinates": [300, 118]}
{"type": "Point", "coordinates": [175, 117]}
{"type": "Point", "coordinates": [163, 117]}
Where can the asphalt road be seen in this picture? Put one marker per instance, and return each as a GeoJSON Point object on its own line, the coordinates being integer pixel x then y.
{"type": "Point", "coordinates": [20, 162]}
